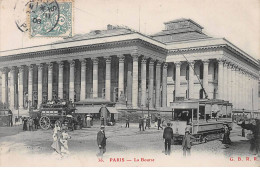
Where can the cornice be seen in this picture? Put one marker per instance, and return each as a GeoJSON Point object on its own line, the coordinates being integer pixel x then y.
{"type": "Point", "coordinates": [79, 49]}
{"type": "Point", "coordinates": [213, 47]}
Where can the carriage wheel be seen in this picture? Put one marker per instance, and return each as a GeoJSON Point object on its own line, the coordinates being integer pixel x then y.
{"type": "Point", "coordinates": [45, 122]}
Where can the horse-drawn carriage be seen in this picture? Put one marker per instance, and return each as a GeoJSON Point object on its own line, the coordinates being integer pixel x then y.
{"type": "Point", "coordinates": [50, 113]}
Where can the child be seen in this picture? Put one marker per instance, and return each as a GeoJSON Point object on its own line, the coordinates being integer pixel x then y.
{"type": "Point", "coordinates": [64, 142]}
{"type": "Point", "coordinates": [186, 142]}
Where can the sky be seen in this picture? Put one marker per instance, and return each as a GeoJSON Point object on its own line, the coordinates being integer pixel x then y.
{"type": "Point", "coordinates": [236, 20]}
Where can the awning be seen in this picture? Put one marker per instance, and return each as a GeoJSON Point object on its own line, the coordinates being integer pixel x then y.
{"type": "Point", "coordinates": [87, 109]}
{"type": "Point", "coordinates": [112, 110]}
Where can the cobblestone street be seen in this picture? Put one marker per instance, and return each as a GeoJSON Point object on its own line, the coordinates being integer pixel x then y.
{"type": "Point", "coordinates": [121, 143]}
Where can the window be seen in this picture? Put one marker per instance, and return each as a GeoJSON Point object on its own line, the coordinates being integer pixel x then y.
{"type": "Point", "coordinates": [173, 95]}
{"type": "Point", "coordinates": [215, 71]}
{"type": "Point", "coordinates": [187, 72]}
{"type": "Point", "coordinates": [201, 93]}
{"type": "Point", "coordinates": [215, 94]}
{"type": "Point", "coordinates": [187, 94]}
{"type": "Point", "coordinates": [201, 71]}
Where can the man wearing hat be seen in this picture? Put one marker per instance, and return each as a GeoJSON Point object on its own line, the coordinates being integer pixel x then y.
{"type": "Point", "coordinates": [159, 120]}
{"type": "Point", "coordinates": [186, 142]}
{"type": "Point", "coordinates": [101, 140]}
{"type": "Point", "coordinates": [168, 136]}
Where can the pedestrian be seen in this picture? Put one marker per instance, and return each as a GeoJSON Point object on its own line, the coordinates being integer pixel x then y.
{"type": "Point", "coordinates": [155, 121]}
{"type": "Point", "coordinates": [64, 142]}
{"type": "Point", "coordinates": [16, 120]}
{"type": "Point", "coordinates": [141, 123]}
{"type": "Point", "coordinates": [159, 120]}
{"type": "Point", "coordinates": [30, 123]}
{"type": "Point", "coordinates": [36, 123]}
{"type": "Point", "coordinates": [25, 124]}
{"type": "Point", "coordinates": [101, 141]}
{"type": "Point", "coordinates": [56, 144]}
{"type": "Point", "coordinates": [254, 126]}
{"type": "Point", "coordinates": [102, 121]}
{"type": "Point", "coordinates": [10, 118]}
{"type": "Point", "coordinates": [127, 121]}
{"type": "Point", "coordinates": [148, 122]}
{"type": "Point", "coordinates": [226, 139]}
{"type": "Point", "coordinates": [186, 142]}
{"type": "Point", "coordinates": [168, 136]}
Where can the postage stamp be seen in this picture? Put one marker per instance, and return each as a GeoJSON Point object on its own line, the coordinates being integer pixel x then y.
{"type": "Point", "coordinates": [50, 18]}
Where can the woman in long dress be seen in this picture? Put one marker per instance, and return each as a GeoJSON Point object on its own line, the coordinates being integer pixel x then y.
{"type": "Point", "coordinates": [56, 145]}
{"type": "Point", "coordinates": [226, 138]}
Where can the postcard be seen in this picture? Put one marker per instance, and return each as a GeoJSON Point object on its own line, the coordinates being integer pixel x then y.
{"type": "Point", "coordinates": [137, 83]}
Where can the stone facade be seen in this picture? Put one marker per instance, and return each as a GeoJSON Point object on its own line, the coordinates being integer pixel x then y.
{"type": "Point", "coordinates": [141, 70]}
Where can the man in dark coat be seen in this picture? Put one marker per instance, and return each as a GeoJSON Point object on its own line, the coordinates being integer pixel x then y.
{"type": "Point", "coordinates": [186, 142]}
{"type": "Point", "coordinates": [159, 122]}
{"type": "Point", "coordinates": [141, 123]}
{"type": "Point", "coordinates": [167, 136]}
{"type": "Point", "coordinates": [127, 121]}
{"type": "Point", "coordinates": [101, 141]}
{"type": "Point", "coordinates": [254, 126]}
{"type": "Point", "coordinates": [147, 122]}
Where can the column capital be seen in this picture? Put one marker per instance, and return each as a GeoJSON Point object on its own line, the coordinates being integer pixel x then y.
{"type": "Point", "coordinates": [135, 57]}
{"type": "Point", "coordinates": [21, 69]}
{"type": "Point", "coordinates": [205, 61]}
{"type": "Point", "coordinates": [13, 68]}
{"type": "Point", "coordinates": [165, 65]}
{"type": "Point", "coordinates": [40, 66]}
{"type": "Point", "coordinates": [30, 67]}
{"type": "Point", "coordinates": [61, 64]}
{"type": "Point", "coordinates": [50, 65]}
{"type": "Point", "coordinates": [108, 59]}
{"type": "Point", "coordinates": [94, 60]}
{"type": "Point", "coordinates": [72, 63]}
{"type": "Point", "coordinates": [158, 64]}
{"type": "Point", "coordinates": [151, 62]}
{"type": "Point", "coordinates": [191, 63]}
{"type": "Point", "coordinates": [4, 70]}
{"type": "Point", "coordinates": [121, 58]}
{"type": "Point", "coordinates": [144, 60]}
{"type": "Point", "coordinates": [177, 64]}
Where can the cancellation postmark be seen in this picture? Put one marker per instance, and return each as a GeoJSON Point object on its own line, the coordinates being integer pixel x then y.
{"type": "Point", "coordinates": [46, 18]}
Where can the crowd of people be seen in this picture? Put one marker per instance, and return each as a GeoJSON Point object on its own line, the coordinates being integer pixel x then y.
{"type": "Point", "coordinates": [30, 124]}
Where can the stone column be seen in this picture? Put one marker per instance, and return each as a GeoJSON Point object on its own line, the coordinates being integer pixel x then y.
{"type": "Point", "coordinates": [30, 85]}
{"type": "Point", "coordinates": [205, 75]}
{"type": "Point", "coordinates": [12, 72]}
{"type": "Point", "coordinates": [4, 87]}
{"type": "Point", "coordinates": [60, 83]}
{"type": "Point", "coordinates": [143, 82]}
{"type": "Point", "coordinates": [240, 89]}
{"type": "Point", "coordinates": [121, 75]}
{"type": "Point", "coordinates": [229, 82]}
{"type": "Point", "coordinates": [220, 80]}
{"type": "Point", "coordinates": [95, 77]}
{"type": "Point", "coordinates": [135, 81]}
{"type": "Point", "coordinates": [20, 90]}
{"type": "Point", "coordinates": [108, 78]}
{"type": "Point", "coordinates": [83, 80]}
{"type": "Point", "coordinates": [177, 79]}
{"type": "Point", "coordinates": [233, 86]}
{"type": "Point", "coordinates": [151, 83]}
{"type": "Point", "coordinates": [158, 84]}
{"type": "Point", "coordinates": [50, 75]}
{"type": "Point", "coordinates": [225, 75]}
{"type": "Point", "coordinates": [72, 78]}
{"type": "Point", "coordinates": [40, 67]}
{"type": "Point", "coordinates": [191, 75]}
{"type": "Point", "coordinates": [164, 85]}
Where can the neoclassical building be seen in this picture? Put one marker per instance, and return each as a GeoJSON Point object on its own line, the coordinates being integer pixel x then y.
{"type": "Point", "coordinates": [121, 64]}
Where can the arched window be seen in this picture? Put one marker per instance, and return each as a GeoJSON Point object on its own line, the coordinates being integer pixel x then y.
{"type": "Point", "coordinates": [201, 93]}
{"type": "Point", "coordinates": [173, 95]}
